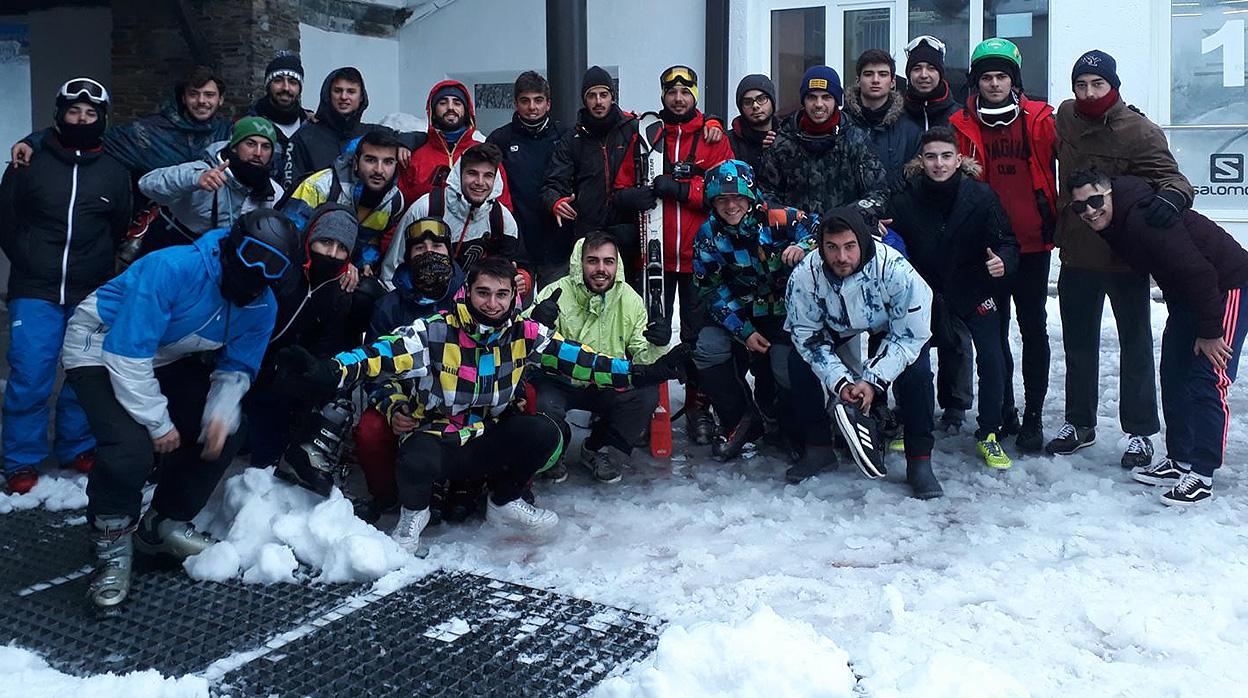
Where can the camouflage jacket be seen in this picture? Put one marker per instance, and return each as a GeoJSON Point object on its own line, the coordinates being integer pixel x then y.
{"type": "Point", "coordinates": [819, 173]}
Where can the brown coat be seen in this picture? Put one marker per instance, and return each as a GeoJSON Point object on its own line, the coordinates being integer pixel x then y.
{"type": "Point", "coordinates": [1124, 142]}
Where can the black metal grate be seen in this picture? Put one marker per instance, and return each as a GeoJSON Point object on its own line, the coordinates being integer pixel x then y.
{"type": "Point", "coordinates": [37, 545]}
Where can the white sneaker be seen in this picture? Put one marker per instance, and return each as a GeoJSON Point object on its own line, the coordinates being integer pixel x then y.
{"type": "Point", "coordinates": [407, 531]}
{"type": "Point", "coordinates": [520, 514]}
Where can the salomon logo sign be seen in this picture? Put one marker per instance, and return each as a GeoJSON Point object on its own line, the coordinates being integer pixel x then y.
{"type": "Point", "coordinates": [1226, 168]}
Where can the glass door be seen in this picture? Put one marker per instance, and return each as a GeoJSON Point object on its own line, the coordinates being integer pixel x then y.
{"type": "Point", "coordinates": [858, 27]}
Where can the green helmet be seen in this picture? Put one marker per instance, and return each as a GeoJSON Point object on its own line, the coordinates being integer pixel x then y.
{"type": "Point", "coordinates": [998, 48]}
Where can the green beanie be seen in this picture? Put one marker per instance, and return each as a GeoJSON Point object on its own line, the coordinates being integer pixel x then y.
{"type": "Point", "coordinates": [253, 126]}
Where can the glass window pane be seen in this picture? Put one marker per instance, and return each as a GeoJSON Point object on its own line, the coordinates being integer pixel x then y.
{"type": "Point", "coordinates": [1216, 163]}
{"type": "Point", "coordinates": [1026, 23]}
{"type": "Point", "coordinates": [1207, 62]}
{"type": "Point", "coordinates": [949, 21]}
{"type": "Point", "coordinates": [864, 29]}
{"type": "Point", "coordinates": [797, 42]}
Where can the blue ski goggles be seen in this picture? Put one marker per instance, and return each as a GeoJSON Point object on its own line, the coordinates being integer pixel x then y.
{"type": "Point", "coordinates": [259, 255]}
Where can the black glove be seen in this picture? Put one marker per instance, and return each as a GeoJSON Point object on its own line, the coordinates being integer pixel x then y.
{"type": "Point", "coordinates": [659, 332]}
{"type": "Point", "coordinates": [666, 187]}
{"type": "Point", "coordinates": [669, 366]}
{"type": "Point", "coordinates": [1163, 210]}
{"type": "Point", "coordinates": [547, 312]}
{"type": "Point", "coordinates": [634, 199]}
{"type": "Point", "coordinates": [298, 367]}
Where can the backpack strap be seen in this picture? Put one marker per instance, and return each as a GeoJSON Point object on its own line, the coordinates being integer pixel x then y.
{"type": "Point", "coordinates": [437, 201]}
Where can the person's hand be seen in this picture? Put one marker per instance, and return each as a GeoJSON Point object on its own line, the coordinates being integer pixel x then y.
{"type": "Point", "coordinates": [669, 366]}
{"type": "Point", "coordinates": [1216, 350]}
{"type": "Point", "coordinates": [757, 343]}
{"type": "Point", "coordinates": [367, 270]}
{"type": "Point", "coordinates": [547, 312]}
{"type": "Point", "coordinates": [712, 132]}
{"type": "Point", "coordinates": [564, 210]}
{"type": "Point", "coordinates": [666, 187]}
{"type": "Point", "coordinates": [215, 178]}
{"type": "Point", "coordinates": [214, 437]}
{"type": "Point", "coordinates": [295, 363]}
{"type": "Point", "coordinates": [522, 284]}
{"type": "Point", "coordinates": [167, 443]}
{"type": "Point", "coordinates": [635, 199]}
{"type": "Point", "coordinates": [996, 267]}
{"type": "Point", "coordinates": [1163, 210]}
{"type": "Point", "coordinates": [659, 332]}
{"type": "Point", "coordinates": [769, 139]}
{"type": "Point", "coordinates": [860, 393]}
{"type": "Point", "coordinates": [401, 420]}
{"type": "Point", "coordinates": [349, 279]}
{"type": "Point", "coordinates": [792, 255]}
{"type": "Point", "coordinates": [21, 153]}
{"type": "Point", "coordinates": [405, 156]}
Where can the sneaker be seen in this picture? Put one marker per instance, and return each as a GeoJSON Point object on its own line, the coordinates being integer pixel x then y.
{"type": "Point", "coordinates": [861, 434]}
{"type": "Point", "coordinates": [1165, 473]}
{"type": "Point", "coordinates": [951, 421]}
{"type": "Point", "coordinates": [748, 430]}
{"type": "Point", "coordinates": [813, 461]}
{"type": "Point", "coordinates": [407, 531]}
{"type": "Point", "coordinates": [898, 444]}
{"type": "Point", "coordinates": [164, 537]}
{"type": "Point", "coordinates": [600, 464]}
{"type": "Point", "coordinates": [1030, 434]}
{"type": "Point", "coordinates": [521, 514]}
{"type": "Point", "coordinates": [22, 480]}
{"type": "Point", "coordinates": [994, 456]}
{"type": "Point", "coordinates": [83, 462]}
{"type": "Point", "coordinates": [1191, 489]}
{"type": "Point", "coordinates": [556, 473]}
{"type": "Point", "coordinates": [1071, 438]}
{"type": "Point", "coordinates": [1139, 453]}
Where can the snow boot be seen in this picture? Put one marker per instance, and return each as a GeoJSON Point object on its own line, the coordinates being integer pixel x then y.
{"type": "Point", "coordinates": [22, 480]}
{"type": "Point", "coordinates": [1191, 489]}
{"type": "Point", "coordinates": [951, 421]}
{"type": "Point", "coordinates": [113, 543]}
{"type": "Point", "coordinates": [601, 463]}
{"type": "Point", "coordinates": [1030, 434]}
{"type": "Point", "coordinates": [815, 460]}
{"type": "Point", "coordinates": [862, 435]}
{"type": "Point", "coordinates": [1071, 438]}
{"type": "Point", "coordinates": [1165, 473]}
{"type": "Point", "coordinates": [1009, 424]}
{"type": "Point", "coordinates": [748, 430]}
{"type": "Point", "coordinates": [159, 536]}
{"type": "Point", "coordinates": [520, 514]}
{"type": "Point", "coordinates": [1139, 452]}
{"type": "Point", "coordinates": [923, 483]}
{"type": "Point", "coordinates": [407, 531]}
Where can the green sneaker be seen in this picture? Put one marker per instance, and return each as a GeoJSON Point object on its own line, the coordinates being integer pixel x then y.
{"type": "Point", "coordinates": [992, 453]}
{"type": "Point", "coordinates": [898, 444]}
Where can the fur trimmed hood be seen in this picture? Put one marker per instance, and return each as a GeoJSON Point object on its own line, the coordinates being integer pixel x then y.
{"type": "Point", "coordinates": [853, 105]}
{"type": "Point", "coordinates": [970, 167]}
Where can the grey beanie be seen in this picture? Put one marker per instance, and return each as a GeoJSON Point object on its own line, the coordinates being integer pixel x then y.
{"type": "Point", "coordinates": [335, 223]}
{"type": "Point", "coordinates": [756, 81]}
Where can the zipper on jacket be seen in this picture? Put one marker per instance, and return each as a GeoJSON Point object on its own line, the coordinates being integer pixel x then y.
{"type": "Point", "coordinates": [676, 204]}
{"type": "Point", "coordinates": [69, 227]}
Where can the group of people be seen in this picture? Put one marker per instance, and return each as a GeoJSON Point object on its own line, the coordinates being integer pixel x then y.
{"type": "Point", "coordinates": [293, 281]}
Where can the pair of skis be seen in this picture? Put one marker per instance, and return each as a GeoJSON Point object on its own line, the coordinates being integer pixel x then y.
{"type": "Point", "coordinates": [650, 164]}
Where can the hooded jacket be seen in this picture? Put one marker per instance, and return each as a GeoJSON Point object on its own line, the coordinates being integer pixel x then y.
{"type": "Point", "coordinates": [168, 305]}
{"type": "Point", "coordinates": [894, 140]}
{"type": "Point", "coordinates": [177, 188]}
{"type": "Point", "coordinates": [884, 295]}
{"type": "Point", "coordinates": [1194, 261]}
{"type": "Point", "coordinates": [585, 163]}
{"type": "Point", "coordinates": [435, 159]}
{"type": "Point", "coordinates": [315, 146]}
{"type": "Point", "coordinates": [1040, 138]}
{"type": "Point", "coordinates": [950, 252]}
{"type": "Point", "coordinates": [1123, 142]}
{"type": "Point", "coordinates": [819, 173]}
{"type": "Point", "coordinates": [526, 154]}
{"type": "Point", "coordinates": [405, 305]}
{"type": "Point", "coordinates": [61, 219]}
{"type": "Point", "coordinates": [164, 139]}
{"type": "Point", "coordinates": [471, 232]}
{"type": "Point", "coordinates": [681, 219]}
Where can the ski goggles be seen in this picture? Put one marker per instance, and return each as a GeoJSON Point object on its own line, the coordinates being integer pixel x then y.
{"type": "Point", "coordinates": [260, 255]}
{"type": "Point", "coordinates": [428, 229]}
{"type": "Point", "coordinates": [84, 89]}
{"type": "Point", "coordinates": [931, 41]}
{"type": "Point", "coordinates": [678, 75]}
{"type": "Point", "coordinates": [1096, 201]}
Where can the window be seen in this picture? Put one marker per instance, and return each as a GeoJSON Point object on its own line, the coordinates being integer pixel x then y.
{"type": "Point", "coordinates": [949, 21]}
{"type": "Point", "coordinates": [798, 38]}
{"type": "Point", "coordinates": [864, 29]}
{"type": "Point", "coordinates": [1025, 23]}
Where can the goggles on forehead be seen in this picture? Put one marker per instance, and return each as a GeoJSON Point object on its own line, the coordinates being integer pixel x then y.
{"type": "Point", "coordinates": [84, 88]}
{"type": "Point", "coordinates": [678, 75]}
{"type": "Point", "coordinates": [931, 40]}
{"type": "Point", "coordinates": [428, 229]}
{"type": "Point", "coordinates": [260, 255]}
{"type": "Point", "coordinates": [1096, 201]}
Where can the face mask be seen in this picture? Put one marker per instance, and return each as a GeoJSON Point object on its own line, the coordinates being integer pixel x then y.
{"type": "Point", "coordinates": [430, 273]}
{"type": "Point", "coordinates": [254, 177]}
{"type": "Point", "coordinates": [322, 268]}
{"type": "Point", "coordinates": [81, 136]}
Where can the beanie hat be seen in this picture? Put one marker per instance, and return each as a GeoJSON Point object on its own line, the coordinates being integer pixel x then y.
{"type": "Point", "coordinates": [253, 126]}
{"type": "Point", "coordinates": [597, 77]}
{"type": "Point", "coordinates": [1097, 62]}
{"type": "Point", "coordinates": [288, 64]}
{"type": "Point", "coordinates": [821, 77]}
{"type": "Point", "coordinates": [926, 52]}
{"type": "Point", "coordinates": [756, 81]}
{"type": "Point", "coordinates": [449, 91]}
{"type": "Point", "coordinates": [336, 224]}
{"type": "Point", "coordinates": [679, 75]}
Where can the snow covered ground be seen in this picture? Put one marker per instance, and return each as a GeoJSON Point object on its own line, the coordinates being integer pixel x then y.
{"type": "Point", "coordinates": [1058, 577]}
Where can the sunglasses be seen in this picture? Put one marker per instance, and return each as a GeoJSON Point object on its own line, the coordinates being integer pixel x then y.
{"type": "Point", "coordinates": [679, 75]}
{"type": "Point", "coordinates": [760, 100]}
{"type": "Point", "coordinates": [931, 40]}
{"type": "Point", "coordinates": [85, 88]}
{"type": "Point", "coordinates": [433, 229]}
{"type": "Point", "coordinates": [1096, 201]}
{"type": "Point", "coordinates": [259, 255]}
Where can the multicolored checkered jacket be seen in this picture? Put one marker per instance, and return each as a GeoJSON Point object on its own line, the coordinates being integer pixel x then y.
{"type": "Point", "coordinates": [738, 270]}
{"type": "Point", "coordinates": [456, 376]}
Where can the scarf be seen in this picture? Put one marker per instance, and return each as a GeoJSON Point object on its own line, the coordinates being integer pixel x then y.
{"type": "Point", "coordinates": [1095, 108]}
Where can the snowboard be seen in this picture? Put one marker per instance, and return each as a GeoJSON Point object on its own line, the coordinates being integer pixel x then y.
{"type": "Point", "coordinates": [650, 226]}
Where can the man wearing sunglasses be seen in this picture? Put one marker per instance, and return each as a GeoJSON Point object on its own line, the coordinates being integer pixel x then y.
{"type": "Point", "coordinates": [1203, 274]}
{"type": "Point", "coordinates": [160, 358]}
{"type": "Point", "coordinates": [60, 221]}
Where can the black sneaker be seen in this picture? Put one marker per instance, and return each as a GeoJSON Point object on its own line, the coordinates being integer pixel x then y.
{"type": "Point", "coordinates": [862, 435]}
{"type": "Point", "coordinates": [1030, 434]}
{"type": "Point", "coordinates": [1071, 438]}
{"type": "Point", "coordinates": [1139, 453]}
{"type": "Point", "coordinates": [1191, 489]}
{"type": "Point", "coordinates": [1165, 473]}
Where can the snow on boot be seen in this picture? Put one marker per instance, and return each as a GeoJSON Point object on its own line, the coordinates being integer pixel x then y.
{"type": "Point", "coordinates": [22, 480]}
{"type": "Point", "coordinates": [520, 514]}
{"type": "Point", "coordinates": [600, 463]}
{"type": "Point", "coordinates": [1071, 438]}
{"type": "Point", "coordinates": [815, 460]}
{"type": "Point", "coordinates": [112, 541]}
{"type": "Point", "coordinates": [1191, 489]}
{"type": "Point", "coordinates": [1164, 473]}
{"type": "Point", "coordinates": [923, 483]}
{"type": "Point", "coordinates": [1139, 452]}
{"type": "Point", "coordinates": [407, 531]}
{"type": "Point", "coordinates": [862, 436]}
{"type": "Point", "coordinates": [748, 430]}
{"type": "Point", "coordinates": [160, 536]}
{"type": "Point", "coordinates": [1030, 434]}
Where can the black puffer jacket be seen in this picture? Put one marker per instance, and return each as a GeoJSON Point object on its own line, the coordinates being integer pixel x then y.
{"type": "Point", "coordinates": [894, 138]}
{"type": "Point", "coordinates": [61, 219]}
{"type": "Point", "coordinates": [934, 111]}
{"type": "Point", "coordinates": [526, 154]}
{"type": "Point", "coordinates": [316, 146]}
{"type": "Point", "coordinates": [585, 163]}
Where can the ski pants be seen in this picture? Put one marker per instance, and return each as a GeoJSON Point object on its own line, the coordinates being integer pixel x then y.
{"type": "Point", "coordinates": [508, 453]}
{"type": "Point", "coordinates": [376, 448]}
{"type": "Point", "coordinates": [1081, 297]}
{"type": "Point", "coordinates": [983, 326]}
{"type": "Point", "coordinates": [270, 418]}
{"type": "Point", "coordinates": [1029, 290]}
{"type": "Point", "coordinates": [623, 415]}
{"type": "Point", "coordinates": [37, 330]}
{"type": "Point", "coordinates": [1193, 390]}
{"type": "Point", "coordinates": [124, 455]}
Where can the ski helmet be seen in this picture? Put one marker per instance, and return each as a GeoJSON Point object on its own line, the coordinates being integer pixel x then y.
{"type": "Point", "coordinates": [997, 54]}
{"type": "Point", "coordinates": [260, 247]}
{"type": "Point", "coordinates": [732, 177]}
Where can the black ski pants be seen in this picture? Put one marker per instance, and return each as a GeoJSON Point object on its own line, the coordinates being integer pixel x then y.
{"type": "Point", "coordinates": [623, 415]}
{"type": "Point", "coordinates": [1029, 291]}
{"type": "Point", "coordinates": [124, 455]}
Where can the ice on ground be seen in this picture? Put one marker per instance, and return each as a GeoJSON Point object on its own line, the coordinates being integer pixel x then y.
{"type": "Point", "coordinates": [26, 674]}
{"type": "Point", "coordinates": [762, 655]}
{"type": "Point", "coordinates": [52, 492]}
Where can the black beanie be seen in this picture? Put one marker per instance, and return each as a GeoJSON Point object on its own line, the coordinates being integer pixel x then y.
{"type": "Point", "coordinates": [926, 53]}
{"type": "Point", "coordinates": [286, 63]}
{"type": "Point", "coordinates": [1097, 62]}
{"type": "Point", "coordinates": [996, 64]}
{"type": "Point", "coordinates": [596, 77]}
{"type": "Point", "coordinates": [756, 81]}
{"type": "Point", "coordinates": [450, 91]}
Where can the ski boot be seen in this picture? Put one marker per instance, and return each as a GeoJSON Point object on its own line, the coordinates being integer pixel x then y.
{"type": "Point", "coordinates": [168, 539]}
{"type": "Point", "coordinates": [699, 422]}
{"type": "Point", "coordinates": [314, 462]}
{"type": "Point", "coordinates": [113, 543]}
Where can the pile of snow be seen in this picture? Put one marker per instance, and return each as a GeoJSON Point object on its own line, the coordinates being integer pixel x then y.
{"type": "Point", "coordinates": [19, 667]}
{"type": "Point", "coordinates": [762, 655]}
{"type": "Point", "coordinates": [268, 528]}
{"type": "Point", "coordinates": [51, 492]}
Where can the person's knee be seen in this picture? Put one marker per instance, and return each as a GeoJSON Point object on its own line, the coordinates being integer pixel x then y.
{"type": "Point", "coordinates": [713, 348]}
{"type": "Point", "coordinates": [420, 459]}
{"type": "Point", "coordinates": [373, 428]}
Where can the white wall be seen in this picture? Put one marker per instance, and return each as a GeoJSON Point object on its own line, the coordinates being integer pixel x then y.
{"type": "Point", "coordinates": [377, 59]}
{"type": "Point", "coordinates": [644, 37]}
{"type": "Point", "coordinates": [1122, 28]}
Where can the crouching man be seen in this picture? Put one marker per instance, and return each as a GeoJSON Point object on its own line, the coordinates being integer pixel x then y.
{"type": "Point", "coordinates": [856, 285]}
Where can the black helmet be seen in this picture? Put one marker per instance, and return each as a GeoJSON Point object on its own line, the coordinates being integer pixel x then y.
{"type": "Point", "coordinates": [259, 249]}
